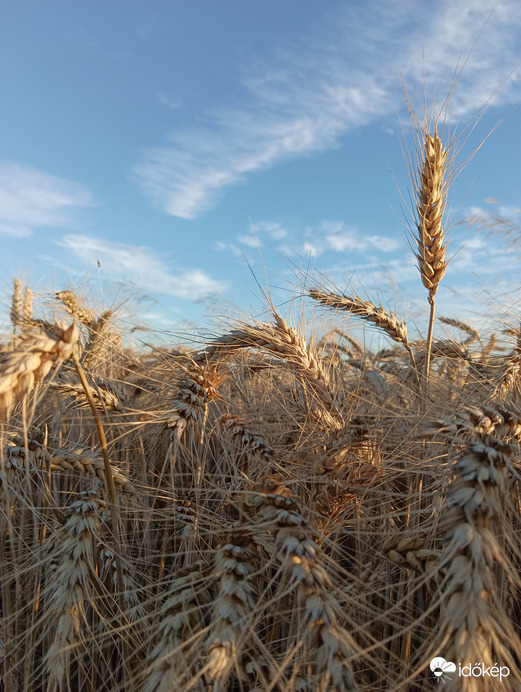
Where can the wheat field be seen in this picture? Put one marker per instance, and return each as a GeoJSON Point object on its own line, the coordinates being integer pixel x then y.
{"type": "Point", "coordinates": [280, 509]}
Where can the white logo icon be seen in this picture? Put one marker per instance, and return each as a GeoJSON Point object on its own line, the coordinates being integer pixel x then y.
{"type": "Point", "coordinates": [440, 666]}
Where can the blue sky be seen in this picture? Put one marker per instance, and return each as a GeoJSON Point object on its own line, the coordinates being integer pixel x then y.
{"type": "Point", "coordinates": [194, 148]}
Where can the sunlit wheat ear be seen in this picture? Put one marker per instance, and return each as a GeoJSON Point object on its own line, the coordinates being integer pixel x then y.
{"type": "Point", "coordinates": [196, 389]}
{"type": "Point", "coordinates": [72, 586]}
{"type": "Point", "coordinates": [180, 631]}
{"type": "Point", "coordinates": [16, 304]}
{"type": "Point", "coordinates": [475, 420]}
{"type": "Point", "coordinates": [473, 334]}
{"type": "Point", "coordinates": [31, 362]}
{"type": "Point", "coordinates": [331, 646]}
{"type": "Point", "coordinates": [283, 342]}
{"type": "Point", "coordinates": [474, 624]}
{"type": "Point", "coordinates": [430, 206]}
{"type": "Point", "coordinates": [105, 398]}
{"type": "Point", "coordinates": [431, 201]}
{"type": "Point", "coordinates": [233, 606]}
{"type": "Point", "coordinates": [73, 307]}
{"type": "Point", "coordinates": [27, 309]}
{"type": "Point", "coordinates": [62, 461]}
{"type": "Point", "coordinates": [385, 320]}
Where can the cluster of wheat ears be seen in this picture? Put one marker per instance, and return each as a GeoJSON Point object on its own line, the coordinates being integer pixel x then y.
{"type": "Point", "coordinates": [269, 512]}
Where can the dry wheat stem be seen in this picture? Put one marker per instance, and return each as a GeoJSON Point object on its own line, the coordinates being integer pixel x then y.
{"type": "Point", "coordinates": [114, 515]}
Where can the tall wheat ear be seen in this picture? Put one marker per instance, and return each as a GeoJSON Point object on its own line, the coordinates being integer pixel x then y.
{"type": "Point", "coordinates": [430, 176]}
{"type": "Point", "coordinates": [432, 170]}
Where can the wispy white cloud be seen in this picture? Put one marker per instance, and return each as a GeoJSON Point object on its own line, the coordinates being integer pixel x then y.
{"type": "Point", "coordinates": [326, 236]}
{"type": "Point", "coordinates": [221, 246]}
{"type": "Point", "coordinates": [169, 100]}
{"type": "Point", "coordinates": [142, 267]}
{"type": "Point", "coordinates": [31, 199]}
{"type": "Point", "coordinates": [351, 242]}
{"type": "Point", "coordinates": [258, 232]}
{"type": "Point", "coordinates": [480, 216]}
{"type": "Point", "coordinates": [336, 236]}
{"type": "Point", "coordinates": [273, 229]}
{"type": "Point", "coordinates": [249, 240]}
{"type": "Point", "coordinates": [347, 75]}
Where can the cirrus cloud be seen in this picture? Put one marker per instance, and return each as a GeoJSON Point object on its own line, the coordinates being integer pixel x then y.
{"type": "Point", "coordinates": [310, 94]}
{"type": "Point", "coordinates": [32, 199]}
{"type": "Point", "coordinates": [140, 266]}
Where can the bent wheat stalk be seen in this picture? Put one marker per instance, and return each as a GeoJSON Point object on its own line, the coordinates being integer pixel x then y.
{"type": "Point", "coordinates": [387, 321]}
{"type": "Point", "coordinates": [108, 478]}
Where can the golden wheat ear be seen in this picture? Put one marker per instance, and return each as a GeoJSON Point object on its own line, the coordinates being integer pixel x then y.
{"type": "Point", "coordinates": [32, 360]}
{"type": "Point", "coordinates": [430, 206]}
